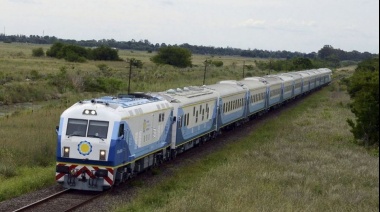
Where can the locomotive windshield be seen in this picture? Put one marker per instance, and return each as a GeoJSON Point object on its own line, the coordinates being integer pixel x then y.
{"type": "Point", "coordinates": [78, 127]}
{"type": "Point", "coordinates": [98, 129]}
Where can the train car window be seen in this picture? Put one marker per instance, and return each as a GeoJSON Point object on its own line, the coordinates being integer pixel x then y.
{"type": "Point", "coordinates": [196, 117]}
{"type": "Point", "coordinates": [161, 117]}
{"type": "Point", "coordinates": [76, 127]}
{"type": "Point", "coordinates": [98, 129]}
{"type": "Point", "coordinates": [187, 121]}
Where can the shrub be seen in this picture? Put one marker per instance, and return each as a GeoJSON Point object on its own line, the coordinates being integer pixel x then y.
{"type": "Point", "coordinates": [38, 52]}
{"type": "Point", "coordinates": [217, 63]}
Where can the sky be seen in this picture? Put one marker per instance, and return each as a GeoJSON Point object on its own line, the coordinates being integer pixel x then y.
{"type": "Point", "coordinates": [291, 25]}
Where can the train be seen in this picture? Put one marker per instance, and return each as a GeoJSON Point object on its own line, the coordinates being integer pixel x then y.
{"type": "Point", "coordinates": [105, 141]}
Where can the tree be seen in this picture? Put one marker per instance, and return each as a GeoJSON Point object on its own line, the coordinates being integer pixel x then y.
{"type": "Point", "coordinates": [55, 49]}
{"type": "Point", "coordinates": [173, 55]}
{"type": "Point", "coordinates": [105, 53]}
{"type": "Point", "coordinates": [302, 63]}
{"type": "Point", "coordinates": [363, 88]}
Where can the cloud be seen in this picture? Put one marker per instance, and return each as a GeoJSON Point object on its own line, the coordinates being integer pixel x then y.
{"type": "Point", "coordinates": [252, 23]}
{"type": "Point", "coordinates": [283, 24]}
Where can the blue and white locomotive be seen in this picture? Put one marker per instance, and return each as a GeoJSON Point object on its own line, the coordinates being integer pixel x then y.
{"type": "Point", "coordinates": [105, 141]}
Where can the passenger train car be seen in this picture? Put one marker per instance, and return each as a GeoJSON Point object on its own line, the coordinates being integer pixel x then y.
{"type": "Point", "coordinates": [105, 141]}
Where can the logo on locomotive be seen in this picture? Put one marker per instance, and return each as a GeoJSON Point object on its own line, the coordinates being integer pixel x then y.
{"type": "Point", "coordinates": [84, 148]}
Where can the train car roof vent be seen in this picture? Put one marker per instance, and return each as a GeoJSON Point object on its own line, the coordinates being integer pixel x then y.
{"type": "Point", "coordinates": [186, 89]}
{"type": "Point", "coordinates": [170, 91]}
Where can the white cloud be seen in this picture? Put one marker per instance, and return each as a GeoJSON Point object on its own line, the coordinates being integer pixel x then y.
{"type": "Point", "coordinates": [252, 23]}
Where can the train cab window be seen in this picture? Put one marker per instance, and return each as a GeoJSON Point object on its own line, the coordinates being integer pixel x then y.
{"type": "Point", "coordinates": [76, 127]}
{"type": "Point", "coordinates": [121, 131]}
{"type": "Point", "coordinates": [98, 129]}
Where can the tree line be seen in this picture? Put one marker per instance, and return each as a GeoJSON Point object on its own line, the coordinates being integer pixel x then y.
{"type": "Point", "coordinates": [326, 52]}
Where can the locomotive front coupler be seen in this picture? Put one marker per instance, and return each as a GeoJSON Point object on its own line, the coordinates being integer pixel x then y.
{"type": "Point", "coordinates": [83, 176]}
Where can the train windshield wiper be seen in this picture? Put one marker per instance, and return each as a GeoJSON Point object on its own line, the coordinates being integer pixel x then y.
{"type": "Point", "coordinates": [96, 136]}
{"type": "Point", "coordinates": [74, 134]}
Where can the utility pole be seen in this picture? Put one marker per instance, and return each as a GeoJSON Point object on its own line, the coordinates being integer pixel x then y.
{"type": "Point", "coordinates": [130, 74]}
{"type": "Point", "coordinates": [204, 74]}
{"type": "Point", "coordinates": [137, 64]}
{"type": "Point", "coordinates": [243, 68]}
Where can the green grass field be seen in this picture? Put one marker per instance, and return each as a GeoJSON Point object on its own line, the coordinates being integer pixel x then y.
{"type": "Point", "coordinates": [24, 78]}
{"type": "Point", "coordinates": [302, 160]}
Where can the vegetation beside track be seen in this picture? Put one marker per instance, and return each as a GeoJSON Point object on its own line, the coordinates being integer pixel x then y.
{"type": "Point", "coordinates": [303, 160]}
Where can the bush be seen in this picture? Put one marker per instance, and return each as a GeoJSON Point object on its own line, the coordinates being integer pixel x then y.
{"type": "Point", "coordinates": [107, 85]}
{"type": "Point", "coordinates": [38, 52]}
{"type": "Point", "coordinates": [105, 53]}
{"type": "Point", "coordinates": [74, 53]}
{"type": "Point", "coordinates": [173, 55]}
{"type": "Point", "coordinates": [217, 63]}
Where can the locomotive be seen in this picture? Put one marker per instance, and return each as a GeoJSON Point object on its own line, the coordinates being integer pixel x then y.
{"type": "Point", "coordinates": [105, 141]}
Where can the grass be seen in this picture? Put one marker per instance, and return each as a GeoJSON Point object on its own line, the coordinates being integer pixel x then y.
{"type": "Point", "coordinates": [24, 78]}
{"type": "Point", "coordinates": [302, 160]}
{"type": "Point", "coordinates": [28, 179]}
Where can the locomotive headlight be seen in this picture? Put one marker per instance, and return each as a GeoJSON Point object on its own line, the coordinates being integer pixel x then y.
{"type": "Point", "coordinates": [102, 155]}
{"type": "Point", "coordinates": [66, 151]}
{"type": "Point", "coordinates": [89, 112]}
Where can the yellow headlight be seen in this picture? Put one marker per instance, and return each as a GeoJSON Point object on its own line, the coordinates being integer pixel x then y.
{"type": "Point", "coordinates": [102, 155]}
{"type": "Point", "coordinates": [66, 151]}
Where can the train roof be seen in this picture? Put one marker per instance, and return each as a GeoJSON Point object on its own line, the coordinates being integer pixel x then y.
{"type": "Point", "coordinates": [325, 71]}
{"type": "Point", "coordinates": [272, 79]}
{"type": "Point", "coordinates": [228, 87]}
{"type": "Point", "coordinates": [284, 78]}
{"type": "Point", "coordinates": [253, 84]}
{"type": "Point", "coordinates": [124, 105]}
{"type": "Point", "coordinates": [124, 100]}
{"type": "Point", "coordinates": [189, 94]}
{"type": "Point", "coordinates": [295, 75]}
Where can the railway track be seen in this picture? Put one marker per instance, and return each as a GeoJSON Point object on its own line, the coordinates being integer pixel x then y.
{"type": "Point", "coordinates": [66, 200]}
